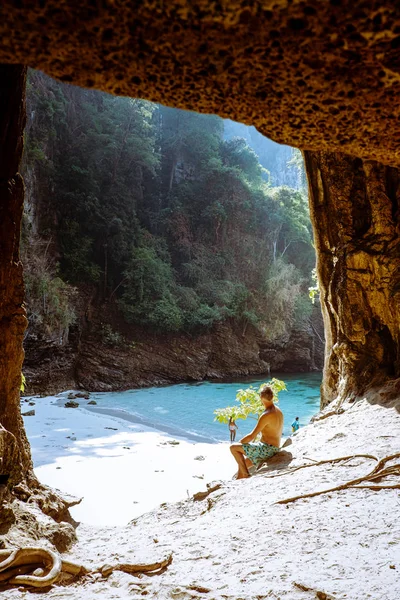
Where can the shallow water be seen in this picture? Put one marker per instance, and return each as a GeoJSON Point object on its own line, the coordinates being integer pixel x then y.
{"type": "Point", "coordinates": [186, 410]}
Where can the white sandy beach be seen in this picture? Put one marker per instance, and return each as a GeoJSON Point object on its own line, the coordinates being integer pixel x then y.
{"type": "Point", "coordinates": [120, 469]}
{"type": "Point", "coordinates": [238, 543]}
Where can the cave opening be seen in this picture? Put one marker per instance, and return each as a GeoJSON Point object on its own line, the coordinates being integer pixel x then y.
{"type": "Point", "coordinates": [212, 215]}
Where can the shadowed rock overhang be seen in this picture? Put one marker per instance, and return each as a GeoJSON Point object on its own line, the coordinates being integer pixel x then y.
{"type": "Point", "coordinates": [317, 75]}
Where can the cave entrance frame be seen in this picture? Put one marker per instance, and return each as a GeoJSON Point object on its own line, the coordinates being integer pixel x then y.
{"type": "Point", "coordinates": [303, 75]}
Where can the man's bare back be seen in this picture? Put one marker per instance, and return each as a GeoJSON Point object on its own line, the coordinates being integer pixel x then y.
{"type": "Point", "coordinates": [271, 422]}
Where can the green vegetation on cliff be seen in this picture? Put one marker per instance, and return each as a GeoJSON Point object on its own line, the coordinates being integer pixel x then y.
{"type": "Point", "coordinates": [156, 209]}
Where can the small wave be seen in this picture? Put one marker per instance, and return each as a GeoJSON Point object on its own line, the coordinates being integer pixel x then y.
{"type": "Point", "coordinates": [161, 409]}
{"type": "Point", "coordinates": [163, 427]}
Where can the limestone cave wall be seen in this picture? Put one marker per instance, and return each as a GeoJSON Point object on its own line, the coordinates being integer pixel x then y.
{"type": "Point", "coordinates": [355, 210]}
{"type": "Point", "coordinates": [16, 454]}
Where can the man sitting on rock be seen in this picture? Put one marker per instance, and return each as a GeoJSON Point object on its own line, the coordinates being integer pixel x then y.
{"type": "Point", "coordinates": [270, 425]}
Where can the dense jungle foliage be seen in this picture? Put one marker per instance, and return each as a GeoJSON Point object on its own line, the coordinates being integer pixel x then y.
{"type": "Point", "coordinates": [159, 210]}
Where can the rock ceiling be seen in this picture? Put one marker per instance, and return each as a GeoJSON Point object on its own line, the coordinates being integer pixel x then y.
{"type": "Point", "coordinates": [317, 75]}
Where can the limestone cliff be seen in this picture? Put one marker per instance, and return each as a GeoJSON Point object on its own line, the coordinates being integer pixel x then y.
{"type": "Point", "coordinates": [94, 361]}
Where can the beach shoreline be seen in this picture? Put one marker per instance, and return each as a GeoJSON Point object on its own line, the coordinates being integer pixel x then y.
{"type": "Point", "coordinates": [120, 468]}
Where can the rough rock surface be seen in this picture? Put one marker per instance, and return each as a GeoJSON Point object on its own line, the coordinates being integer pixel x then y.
{"type": "Point", "coordinates": [299, 352]}
{"type": "Point", "coordinates": [317, 75]}
{"type": "Point", "coordinates": [18, 485]}
{"type": "Point", "coordinates": [48, 367]}
{"type": "Point", "coordinates": [145, 359]}
{"type": "Point", "coordinates": [12, 312]}
{"type": "Point", "coordinates": [355, 208]}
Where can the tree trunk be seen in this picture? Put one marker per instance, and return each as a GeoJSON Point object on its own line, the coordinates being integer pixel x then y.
{"type": "Point", "coordinates": [16, 461]}
{"type": "Point", "coordinates": [355, 213]}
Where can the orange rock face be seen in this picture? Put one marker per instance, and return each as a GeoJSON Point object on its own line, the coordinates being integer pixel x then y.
{"type": "Point", "coordinates": [356, 217]}
{"type": "Point", "coordinates": [12, 313]}
{"type": "Point", "coordinates": [317, 75]}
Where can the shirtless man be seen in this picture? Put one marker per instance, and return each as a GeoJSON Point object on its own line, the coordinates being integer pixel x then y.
{"type": "Point", "coordinates": [270, 425]}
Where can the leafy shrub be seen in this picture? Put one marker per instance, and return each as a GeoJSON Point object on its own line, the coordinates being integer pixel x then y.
{"type": "Point", "coordinates": [248, 402]}
{"type": "Point", "coordinates": [110, 337]}
{"type": "Point", "coordinates": [50, 301]}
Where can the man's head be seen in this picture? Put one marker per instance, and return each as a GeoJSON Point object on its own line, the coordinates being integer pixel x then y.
{"type": "Point", "coordinates": [266, 395]}
{"type": "Point", "coordinates": [297, 418]}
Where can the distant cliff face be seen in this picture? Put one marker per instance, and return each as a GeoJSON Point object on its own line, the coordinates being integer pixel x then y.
{"type": "Point", "coordinates": [277, 159]}
{"type": "Point", "coordinates": [98, 358]}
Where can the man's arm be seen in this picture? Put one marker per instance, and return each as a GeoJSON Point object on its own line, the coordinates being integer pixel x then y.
{"type": "Point", "coordinates": [259, 427]}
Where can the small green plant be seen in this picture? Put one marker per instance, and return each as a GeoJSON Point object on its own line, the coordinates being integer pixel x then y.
{"type": "Point", "coordinates": [313, 292]}
{"type": "Point", "coordinates": [111, 337]}
{"type": "Point", "coordinates": [248, 402]}
{"type": "Point", "coordinates": [23, 383]}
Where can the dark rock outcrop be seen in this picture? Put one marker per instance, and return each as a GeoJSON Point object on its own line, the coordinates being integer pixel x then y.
{"type": "Point", "coordinates": [71, 404]}
{"type": "Point", "coordinates": [12, 312]}
{"type": "Point", "coordinates": [166, 359]}
{"type": "Point", "coordinates": [294, 354]}
{"type": "Point", "coordinates": [151, 359]}
{"type": "Point", "coordinates": [48, 367]}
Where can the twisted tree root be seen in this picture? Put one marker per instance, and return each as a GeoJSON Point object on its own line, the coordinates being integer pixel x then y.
{"type": "Point", "coordinates": [33, 556]}
{"type": "Point", "coordinates": [40, 567]}
{"type": "Point", "coordinates": [378, 473]}
{"type": "Point", "coordinates": [22, 570]}
{"type": "Point", "coordinates": [134, 569]}
{"type": "Point", "coordinates": [317, 463]}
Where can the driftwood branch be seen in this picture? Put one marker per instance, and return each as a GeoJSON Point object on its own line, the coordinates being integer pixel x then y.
{"type": "Point", "coordinates": [199, 496]}
{"type": "Point", "coordinates": [378, 473]}
{"type": "Point", "coordinates": [321, 462]}
{"type": "Point", "coordinates": [135, 569]}
{"type": "Point", "coordinates": [331, 413]}
{"type": "Point", "coordinates": [32, 557]}
{"type": "Point", "coordinates": [320, 595]}
{"type": "Point", "coordinates": [41, 567]}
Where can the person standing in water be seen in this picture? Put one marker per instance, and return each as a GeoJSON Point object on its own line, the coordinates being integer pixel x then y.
{"type": "Point", "coordinates": [295, 425]}
{"type": "Point", "coordinates": [232, 428]}
{"type": "Point", "coordinates": [270, 425]}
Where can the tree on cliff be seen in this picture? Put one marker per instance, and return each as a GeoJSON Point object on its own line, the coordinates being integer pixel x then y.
{"type": "Point", "coordinates": [153, 208]}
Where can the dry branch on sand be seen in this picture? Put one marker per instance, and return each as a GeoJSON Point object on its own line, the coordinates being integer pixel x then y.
{"type": "Point", "coordinates": [134, 569]}
{"type": "Point", "coordinates": [199, 496]}
{"type": "Point", "coordinates": [40, 567]}
{"type": "Point", "coordinates": [318, 463]}
{"type": "Point", "coordinates": [378, 473]}
{"type": "Point", "coordinates": [319, 595]}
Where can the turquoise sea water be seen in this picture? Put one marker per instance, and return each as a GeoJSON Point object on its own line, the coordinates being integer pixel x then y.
{"type": "Point", "coordinates": [186, 410]}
